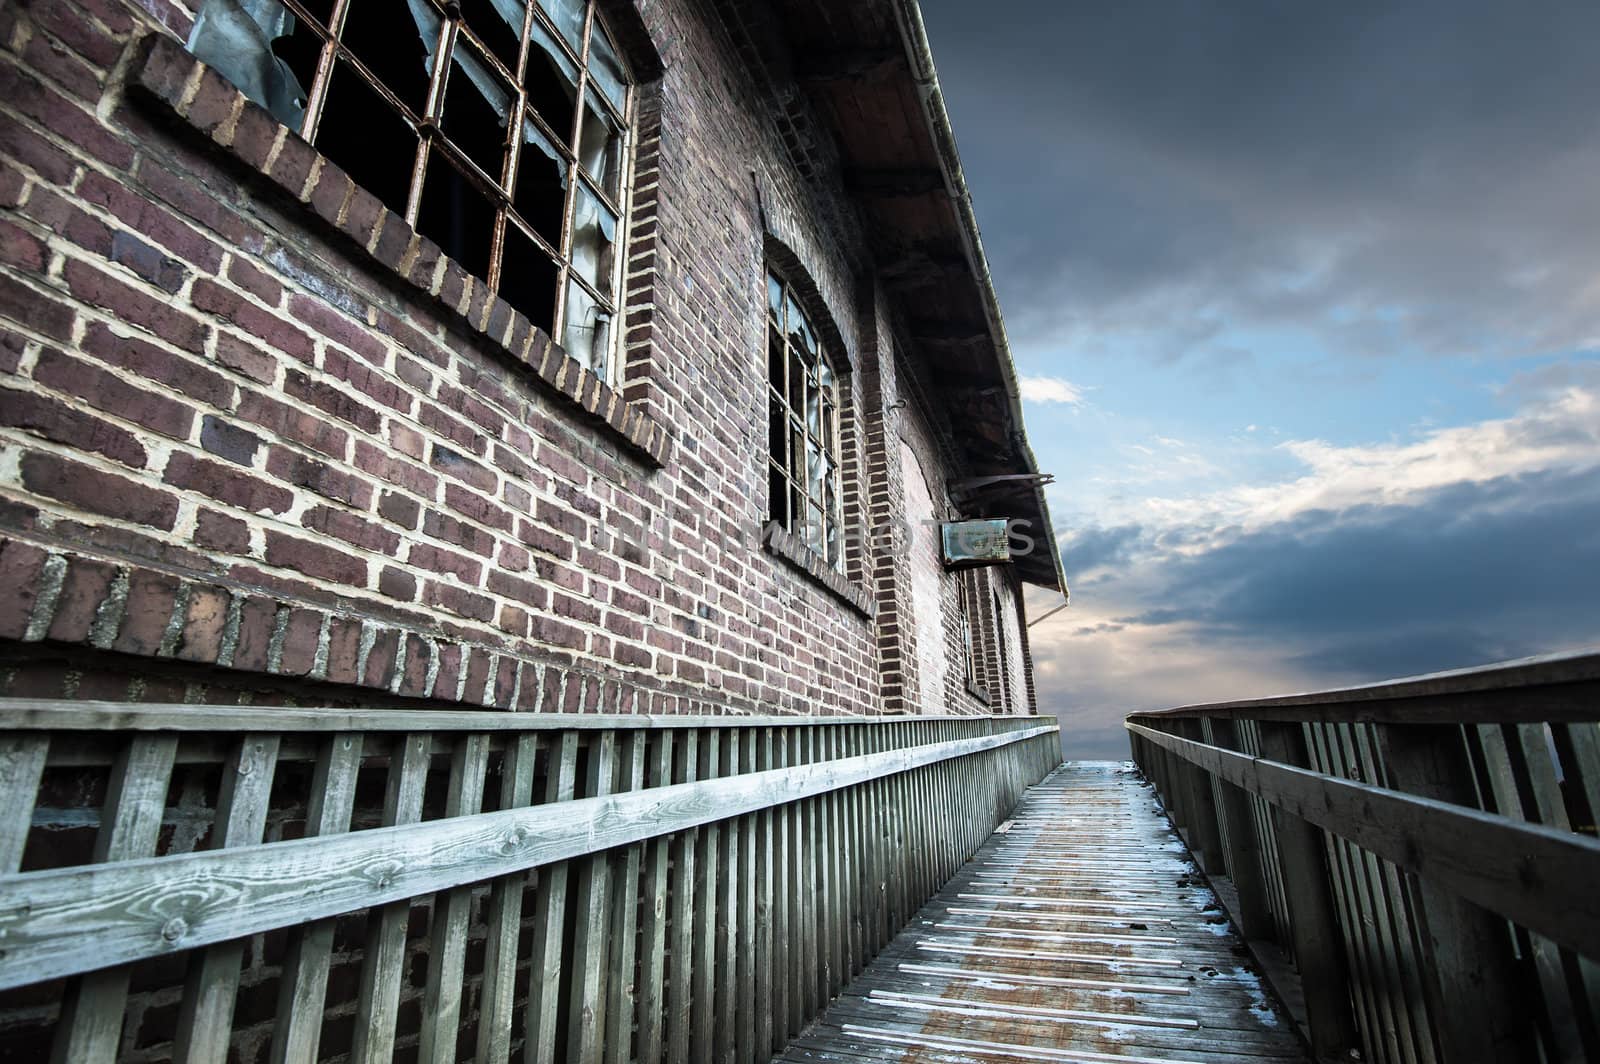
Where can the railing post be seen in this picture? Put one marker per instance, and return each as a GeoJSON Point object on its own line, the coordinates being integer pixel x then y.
{"type": "Point", "coordinates": [1244, 842]}
{"type": "Point", "coordinates": [1470, 966]}
{"type": "Point", "coordinates": [1204, 835]}
{"type": "Point", "coordinates": [1313, 923]}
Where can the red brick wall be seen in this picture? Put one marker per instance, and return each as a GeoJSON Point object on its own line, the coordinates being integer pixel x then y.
{"type": "Point", "coordinates": [247, 422]}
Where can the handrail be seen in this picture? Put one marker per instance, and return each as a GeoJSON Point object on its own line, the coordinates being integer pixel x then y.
{"type": "Point", "coordinates": [60, 922]}
{"type": "Point", "coordinates": [1423, 848]}
{"type": "Point", "coordinates": [595, 888]}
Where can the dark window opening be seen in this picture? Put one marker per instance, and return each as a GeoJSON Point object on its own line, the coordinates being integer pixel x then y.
{"type": "Point", "coordinates": [368, 138]}
{"type": "Point", "coordinates": [457, 216]}
{"type": "Point", "coordinates": [536, 212]}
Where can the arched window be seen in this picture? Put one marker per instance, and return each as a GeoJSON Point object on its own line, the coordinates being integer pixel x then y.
{"type": "Point", "coordinates": [497, 128]}
{"type": "Point", "coordinates": [803, 478]}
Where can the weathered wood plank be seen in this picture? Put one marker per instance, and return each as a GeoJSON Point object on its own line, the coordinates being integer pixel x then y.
{"type": "Point", "coordinates": [586, 1020]}
{"type": "Point", "coordinates": [766, 911]}
{"type": "Point", "coordinates": [504, 916]}
{"type": "Point", "coordinates": [95, 916]}
{"type": "Point", "coordinates": [447, 939]}
{"type": "Point", "coordinates": [685, 848]}
{"type": "Point", "coordinates": [36, 714]}
{"type": "Point", "coordinates": [622, 987]}
{"type": "Point", "coordinates": [205, 1019]}
{"type": "Point", "coordinates": [90, 1026]}
{"type": "Point", "coordinates": [702, 1014]}
{"type": "Point", "coordinates": [550, 905]}
{"type": "Point", "coordinates": [304, 984]}
{"type": "Point", "coordinates": [383, 966]}
{"type": "Point", "coordinates": [653, 928]}
{"type": "Point", "coordinates": [22, 760]}
{"type": "Point", "coordinates": [727, 935]}
{"type": "Point", "coordinates": [746, 960]}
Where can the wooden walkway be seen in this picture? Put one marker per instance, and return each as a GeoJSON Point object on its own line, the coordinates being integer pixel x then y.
{"type": "Point", "coordinates": [1079, 932]}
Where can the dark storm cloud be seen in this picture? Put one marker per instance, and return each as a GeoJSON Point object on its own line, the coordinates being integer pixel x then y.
{"type": "Point", "coordinates": [1465, 574]}
{"type": "Point", "coordinates": [1416, 173]}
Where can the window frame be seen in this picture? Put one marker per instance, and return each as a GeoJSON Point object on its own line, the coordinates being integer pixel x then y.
{"type": "Point", "coordinates": [429, 130]}
{"type": "Point", "coordinates": [790, 471]}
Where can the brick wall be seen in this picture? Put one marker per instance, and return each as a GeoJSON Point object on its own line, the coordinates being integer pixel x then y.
{"type": "Point", "coordinates": [245, 428]}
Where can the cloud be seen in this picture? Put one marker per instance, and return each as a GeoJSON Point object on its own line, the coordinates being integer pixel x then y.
{"type": "Point", "coordinates": [1050, 390]}
{"type": "Point", "coordinates": [1464, 546]}
{"type": "Point", "coordinates": [1382, 178]}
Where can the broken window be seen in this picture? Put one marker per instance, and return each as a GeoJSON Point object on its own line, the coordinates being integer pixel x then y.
{"type": "Point", "coordinates": [497, 128]}
{"type": "Point", "coordinates": [803, 478]}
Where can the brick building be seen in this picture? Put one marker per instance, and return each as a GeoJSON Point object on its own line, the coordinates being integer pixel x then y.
{"type": "Point", "coordinates": [282, 421]}
{"type": "Point", "coordinates": [270, 432]}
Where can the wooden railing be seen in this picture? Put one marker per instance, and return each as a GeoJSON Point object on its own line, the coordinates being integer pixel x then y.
{"type": "Point", "coordinates": [298, 884]}
{"type": "Point", "coordinates": [1424, 850]}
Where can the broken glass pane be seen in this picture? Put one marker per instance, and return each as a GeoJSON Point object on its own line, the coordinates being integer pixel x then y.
{"type": "Point", "coordinates": [797, 380]}
{"type": "Point", "coordinates": [366, 136]}
{"type": "Point", "coordinates": [476, 103]}
{"type": "Point", "coordinates": [498, 24]}
{"type": "Point", "coordinates": [600, 147]}
{"type": "Point", "coordinates": [528, 278]}
{"type": "Point", "coordinates": [551, 80]}
{"type": "Point", "coordinates": [777, 419]}
{"type": "Point", "coordinates": [775, 300]}
{"type": "Point", "coordinates": [814, 529]}
{"type": "Point", "coordinates": [605, 68]}
{"type": "Point", "coordinates": [587, 332]}
{"type": "Point", "coordinates": [541, 192]}
{"type": "Point", "coordinates": [594, 234]}
{"type": "Point", "coordinates": [814, 410]}
{"type": "Point", "coordinates": [456, 215]}
{"type": "Point", "coordinates": [234, 37]}
{"type": "Point", "coordinates": [402, 61]}
{"type": "Point", "coordinates": [568, 18]}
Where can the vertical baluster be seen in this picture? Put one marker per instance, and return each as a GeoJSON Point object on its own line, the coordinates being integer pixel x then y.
{"type": "Point", "coordinates": [808, 894]}
{"type": "Point", "coordinates": [748, 960]}
{"type": "Point", "coordinates": [708, 875]}
{"type": "Point", "coordinates": [835, 873]}
{"type": "Point", "coordinates": [549, 913]}
{"type": "Point", "coordinates": [504, 915]}
{"type": "Point", "coordinates": [767, 911]}
{"type": "Point", "coordinates": [1476, 999]}
{"type": "Point", "coordinates": [794, 890]}
{"type": "Point", "coordinates": [447, 939]}
{"type": "Point", "coordinates": [22, 757]}
{"type": "Point", "coordinates": [90, 1027]}
{"type": "Point", "coordinates": [858, 857]}
{"type": "Point", "coordinates": [783, 930]}
{"type": "Point", "coordinates": [1317, 948]}
{"type": "Point", "coordinates": [685, 847]}
{"type": "Point", "coordinates": [1244, 843]}
{"type": "Point", "coordinates": [383, 967]}
{"type": "Point", "coordinates": [592, 932]}
{"type": "Point", "coordinates": [303, 988]}
{"type": "Point", "coordinates": [653, 931]}
{"type": "Point", "coordinates": [622, 989]}
{"type": "Point", "coordinates": [1358, 917]}
{"type": "Point", "coordinates": [205, 1020]}
{"type": "Point", "coordinates": [728, 929]}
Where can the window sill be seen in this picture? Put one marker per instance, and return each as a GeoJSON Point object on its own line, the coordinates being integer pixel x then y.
{"type": "Point", "coordinates": [207, 103]}
{"type": "Point", "coordinates": [976, 691]}
{"type": "Point", "coordinates": [785, 545]}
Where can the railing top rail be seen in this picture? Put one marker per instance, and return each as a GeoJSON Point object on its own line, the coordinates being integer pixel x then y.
{"type": "Point", "coordinates": [27, 714]}
{"type": "Point", "coordinates": [1548, 687]}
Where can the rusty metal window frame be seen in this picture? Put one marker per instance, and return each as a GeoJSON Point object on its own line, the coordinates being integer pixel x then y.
{"type": "Point", "coordinates": [500, 189]}
{"type": "Point", "coordinates": [810, 508]}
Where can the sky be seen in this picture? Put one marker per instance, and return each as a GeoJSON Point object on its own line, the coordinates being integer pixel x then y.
{"type": "Point", "coordinates": [1305, 301]}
